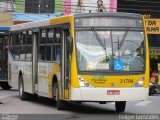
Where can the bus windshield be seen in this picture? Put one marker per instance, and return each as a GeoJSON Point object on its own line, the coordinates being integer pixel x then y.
{"type": "Point", "coordinates": [107, 50]}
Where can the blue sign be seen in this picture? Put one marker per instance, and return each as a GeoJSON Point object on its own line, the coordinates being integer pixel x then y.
{"type": "Point", "coordinates": [118, 64]}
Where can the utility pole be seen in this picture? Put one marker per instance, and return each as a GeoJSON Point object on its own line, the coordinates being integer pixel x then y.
{"type": "Point", "coordinates": [39, 6]}
{"type": "Point", "coordinates": [12, 4]}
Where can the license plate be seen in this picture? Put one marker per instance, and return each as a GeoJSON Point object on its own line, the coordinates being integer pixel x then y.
{"type": "Point", "coordinates": [113, 92]}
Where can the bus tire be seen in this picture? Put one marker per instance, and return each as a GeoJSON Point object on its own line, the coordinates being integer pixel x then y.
{"type": "Point", "coordinates": [5, 86]}
{"type": "Point", "coordinates": [120, 106]}
{"type": "Point", "coordinates": [55, 92]}
{"type": "Point", "coordinates": [33, 97]}
{"type": "Point", "coordinates": [61, 104]}
{"type": "Point", "coordinates": [23, 95]}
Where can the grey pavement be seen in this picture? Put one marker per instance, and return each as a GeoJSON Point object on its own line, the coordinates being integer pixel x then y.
{"type": "Point", "coordinates": [45, 108]}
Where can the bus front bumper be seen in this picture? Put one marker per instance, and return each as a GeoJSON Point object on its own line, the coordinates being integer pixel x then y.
{"type": "Point", "coordinates": [109, 94]}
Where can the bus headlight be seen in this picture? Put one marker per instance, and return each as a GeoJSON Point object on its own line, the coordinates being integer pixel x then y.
{"type": "Point", "coordinates": [140, 83]}
{"type": "Point", "coordinates": [82, 82]}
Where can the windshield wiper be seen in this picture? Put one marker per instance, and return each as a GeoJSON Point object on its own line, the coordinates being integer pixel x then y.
{"type": "Point", "coordinates": [100, 40]}
{"type": "Point", "coordinates": [123, 38]}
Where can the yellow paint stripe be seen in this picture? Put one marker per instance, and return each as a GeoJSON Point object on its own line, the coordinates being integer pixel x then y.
{"type": "Point", "coordinates": [61, 20]}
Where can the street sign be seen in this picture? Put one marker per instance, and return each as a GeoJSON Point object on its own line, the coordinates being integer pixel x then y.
{"type": "Point", "coordinates": [118, 64]}
{"type": "Point", "coordinates": [152, 26]}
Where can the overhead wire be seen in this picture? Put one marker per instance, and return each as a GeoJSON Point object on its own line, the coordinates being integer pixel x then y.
{"type": "Point", "coordinates": [61, 1]}
{"type": "Point", "coordinates": [141, 6]}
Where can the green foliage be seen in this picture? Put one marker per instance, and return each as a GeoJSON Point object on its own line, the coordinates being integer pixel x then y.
{"type": "Point", "coordinates": [59, 5]}
{"type": "Point", "coordinates": [20, 5]}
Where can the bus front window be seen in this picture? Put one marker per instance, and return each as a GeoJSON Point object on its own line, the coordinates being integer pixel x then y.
{"type": "Point", "coordinates": [110, 50]}
{"type": "Point", "coordinates": [91, 53]}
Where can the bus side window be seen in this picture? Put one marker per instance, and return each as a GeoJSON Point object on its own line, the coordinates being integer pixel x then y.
{"type": "Point", "coordinates": [29, 37]}
{"type": "Point", "coordinates": [43, 37]}
{"type": "Point", "coordinates": [22, 53]}
{"type": "Point", "coordinates": [48, 52]}
{"type": "Point", "coordinates": [17, 53]}
{"type": "Point", "coordinates": [21, 38]}
{"type": "Point", "coordinates": [17, 39]}
{"type": "Point", "coordinates": [49, 44]}
{"type": "Point", "coordinates": [50, 36]}
{"type": "Point", "coordinates": [24, 37]}
{"type": "Point", "coordinates": [41, 55]}
{"type": "Point", "coordinates": [57, 45]}
{"type": "Point", "coordinates": [58, 38]}
{"type": "Point", "coordinates": [11, 44]}
{"type": "Point", "coordinates": [42, 45]}
{"type": "Point", "coordinates": [16, 48]}
{"type": "Point", "coordinates": [12, 39]}
{"type": "Point", "coordinates": [57, 53]}
{"type": "Point", "coordinates": [28, 52]}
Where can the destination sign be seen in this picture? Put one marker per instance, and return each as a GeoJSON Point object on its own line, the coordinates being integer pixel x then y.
{"type": "Point", "coordinates": [152, 26]}
{"type": "Point", "coordinates": [108, 22]}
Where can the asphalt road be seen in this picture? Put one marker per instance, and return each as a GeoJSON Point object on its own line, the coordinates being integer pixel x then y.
{"type": "Point", "coordinates": [11, 107]}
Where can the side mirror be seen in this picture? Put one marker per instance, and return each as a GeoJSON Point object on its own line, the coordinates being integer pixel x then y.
{"type": "Point", "coordinates": [69, 44]}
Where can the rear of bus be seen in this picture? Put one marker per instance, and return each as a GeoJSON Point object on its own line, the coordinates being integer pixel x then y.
{"type": "Point", "coordinates": [111, 59]}
{"type": "Point", "coordinates": [4, 36]}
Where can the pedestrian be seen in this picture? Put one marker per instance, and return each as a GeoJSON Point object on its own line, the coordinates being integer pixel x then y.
{"type": "Point", "coordinates": [154, 77]}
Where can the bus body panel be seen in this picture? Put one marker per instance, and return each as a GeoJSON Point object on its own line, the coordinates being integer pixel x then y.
{"type": "Point", "coordinates": [100, 94]}
{"type": "Point", "coordinates": [14, 74]}
{"type": "Point", "coordinates": [46, 71]}
{"type": "Point", "coordinates": [147, 52]}
{"type": "Point", "coordinates": [74, 73]}
{"type": "Point", "coordinates": [26, 68]}
{"type": "Point", "coordinates": [115, 81]}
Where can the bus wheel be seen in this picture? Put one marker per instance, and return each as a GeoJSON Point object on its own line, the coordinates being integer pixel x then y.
{"type": "Point", "coordinates": [5, 86]}
{"type": "Point", "coordinates": [22, 94]}
{"type": "Point", "coordinates": [120, 106]}
{"type": "Point", "coordinates": [55, 91]}
{"type": "Point", "coordinates": [61, 104]}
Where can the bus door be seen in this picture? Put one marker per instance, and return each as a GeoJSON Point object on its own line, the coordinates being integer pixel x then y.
{"type": "Point", "coordinates": [34, 61]}
{"type": "Point", "coordinates": [66, 61]}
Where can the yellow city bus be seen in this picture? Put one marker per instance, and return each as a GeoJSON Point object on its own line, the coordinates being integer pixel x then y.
{"type": "Point", "coordinates": [93, 57]}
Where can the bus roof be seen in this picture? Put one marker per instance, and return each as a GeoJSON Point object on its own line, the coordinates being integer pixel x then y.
{"type": "Point", "coordinates": [30, 25]}
{"type": "Point", "coordinates": [47, 22]}
{"type": "Point", "coordinates": [108, 14]}
{"type": "Point", "coordinates": [36, 24]}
